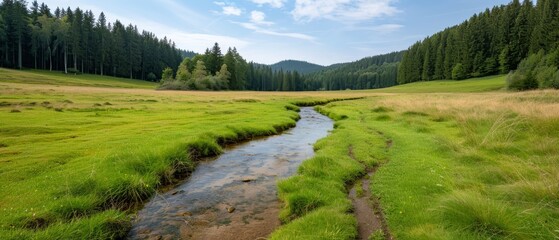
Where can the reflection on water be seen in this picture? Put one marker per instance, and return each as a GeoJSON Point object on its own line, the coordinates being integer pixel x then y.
{"type": "Point", "coordinates": [233, 196]}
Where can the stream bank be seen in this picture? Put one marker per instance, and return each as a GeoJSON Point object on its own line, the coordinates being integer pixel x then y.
{"type": "Point", "coordinates": [233, 195]}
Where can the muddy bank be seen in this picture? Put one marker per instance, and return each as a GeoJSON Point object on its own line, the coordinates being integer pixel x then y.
{"type": "Point", "coordinates": [233, 195]}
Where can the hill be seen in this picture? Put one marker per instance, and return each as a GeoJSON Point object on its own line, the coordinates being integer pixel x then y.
{"type": "Point", "coordinates": [299, 66]}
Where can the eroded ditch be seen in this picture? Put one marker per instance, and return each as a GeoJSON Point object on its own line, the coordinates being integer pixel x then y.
{"type": "Point", "coordinates": [233, 196]}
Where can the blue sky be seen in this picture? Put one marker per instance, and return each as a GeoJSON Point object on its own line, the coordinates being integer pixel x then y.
{"type": "Point", "coordinates": [268, 31]}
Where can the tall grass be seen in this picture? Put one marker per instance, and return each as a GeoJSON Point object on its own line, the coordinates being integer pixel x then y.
{"type": "Point", "coordinates": [460, 166]}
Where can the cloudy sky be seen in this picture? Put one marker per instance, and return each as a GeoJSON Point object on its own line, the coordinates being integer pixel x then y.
{"type": "Point", "coordinates": [268, 31]}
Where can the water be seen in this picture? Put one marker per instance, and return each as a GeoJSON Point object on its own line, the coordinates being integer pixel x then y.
{"type": "Point", "coordinates": [234, 195]}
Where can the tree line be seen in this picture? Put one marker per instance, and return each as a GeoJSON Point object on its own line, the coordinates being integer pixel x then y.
{"type": "Point", "coordinates": [371, 72]}
{"type": "Point", "coordinates": [215, 71]}
{"type": "Point", "coordinates": [492, 42]}
{"type": "Point", "coordinates": [74, 41]}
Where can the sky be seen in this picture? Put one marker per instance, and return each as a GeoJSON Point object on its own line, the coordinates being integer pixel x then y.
{"type": "Point", "coordinates": [268, 31]}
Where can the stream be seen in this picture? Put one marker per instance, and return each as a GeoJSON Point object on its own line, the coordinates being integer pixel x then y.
{"type": "Point", "coordinates": [233, 195]}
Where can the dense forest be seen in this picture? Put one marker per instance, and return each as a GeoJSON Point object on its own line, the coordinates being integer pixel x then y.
{"type": "Point", "coordinates": [372, 72]}
{"type": "Point", "coordinates": [215, 71]}
{"type": "Point", "coordinates": [302, 67]}
{"type": "Point", "coordinates": [492, 42]}
{"type": "Point", "coordinates": [75, 41]}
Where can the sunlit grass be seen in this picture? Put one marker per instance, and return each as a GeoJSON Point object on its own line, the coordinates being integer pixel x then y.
{"type": "Point", "coordinates": [78, 153]}
{"type": "Point", "coordinates": [75, 159]}
{"type": "Point", "coordinates": [460, 166]}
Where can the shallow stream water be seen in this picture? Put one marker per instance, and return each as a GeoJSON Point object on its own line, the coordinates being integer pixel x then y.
{"type": "Point", "coordinates": [234, 195]}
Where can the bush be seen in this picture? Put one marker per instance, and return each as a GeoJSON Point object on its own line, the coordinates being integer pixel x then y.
{"type": "Point", "coordinates": [518, 81]}
{"type": "Point", "coordinates": [151, 77]}
{"type": "Point", "coordinates": [458, 72]}
{"type": "Point", "coordinates": [167, 74]}
{"type": "Point", "coordinates": [74, 71]}
{"type": "Point", "coordinates": [536, 71]}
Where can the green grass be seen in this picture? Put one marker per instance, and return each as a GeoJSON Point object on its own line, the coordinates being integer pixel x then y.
{"type": "Point", "coordinates": [460, 166]}
{"type": "Point", "coordinates": [74, 161]}
{"type": "Point", "coordinates": [59, 78]}
{"type": "Point", "coordinates": [485, 84]}
{"type": "Point", "coordinates": [78, 154]}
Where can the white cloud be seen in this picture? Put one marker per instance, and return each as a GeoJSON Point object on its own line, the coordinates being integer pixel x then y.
{"type": "Point", "coordinates": [259, 18]}
{"type": "Point", "coordinates": [231, 10]}
{"type": "Point", "coordinates": [343, 10]}
{"type": "Point", "coordinates": [259, 29]}
{"type": "Point", "coordinates": [272, 3]}
{"type": "Point", "coordinates": [387, 28]}
{"type": "Point", "coordinates": [258, 22]}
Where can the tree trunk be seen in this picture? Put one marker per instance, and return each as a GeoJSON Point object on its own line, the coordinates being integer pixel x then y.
{"type": "Point", "coordinates": [101, 68]}
{"type": "Point", "coordinates": [6, 55]}
{"type": "Point", "coordinates": [19, 57]}
{"type": "Point", "coordinates": [50, 62]}
{"type": "Point", "coordinates": [66, 59]}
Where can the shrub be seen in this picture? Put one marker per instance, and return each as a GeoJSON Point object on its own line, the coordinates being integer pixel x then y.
{"type": "Point", "coordinates": [74, 71]}
{"type": "Point", "coordinates": [167, 74]}
{"type": "Point", "coordinates": [151, 77]}
{"type": "Point", "coordinates": [458, 72]}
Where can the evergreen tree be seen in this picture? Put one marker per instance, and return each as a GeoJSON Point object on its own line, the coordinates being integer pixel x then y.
{"type": "Point", "coordinates": [3, 42]}
{"type": "Point", "coordinates": [102, 33]}
{"type": "Point", "coordinates": [214, 59]}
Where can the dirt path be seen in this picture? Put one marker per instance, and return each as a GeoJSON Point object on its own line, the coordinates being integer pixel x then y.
{"type": "Point", "coordinates": [367, 209]}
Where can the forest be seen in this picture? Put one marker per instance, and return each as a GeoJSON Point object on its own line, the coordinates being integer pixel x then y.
{"type": "Point", "coordinates": [74, 41]}
{"type": "Point", "coordinates": [492, 42]}
{"type": "Point", "coordinates": [368, 73]}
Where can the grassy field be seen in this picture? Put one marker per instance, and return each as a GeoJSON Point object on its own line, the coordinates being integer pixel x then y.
{"type": "Point", "coordinates": [453, 166]}
{"type": "Point", "coordinates": [457, 162]}
{"type": "Point", "coordinates": [60, 79]}
{"type": "Point", "coordinates": [73, 159]}
{"type": "Point", "coordinates": [485, 84]}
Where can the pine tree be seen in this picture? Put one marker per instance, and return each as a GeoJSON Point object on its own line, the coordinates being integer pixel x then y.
{"type": "Point", "coordinates": [102, 37]}
{"type": "Point", "coordinates": [214, 59]}
{"type": "Point", "coordinates": [3, 42]}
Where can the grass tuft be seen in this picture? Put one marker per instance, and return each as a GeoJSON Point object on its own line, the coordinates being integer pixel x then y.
{"type": "Point", "coordinates": [381, 110]}
{"type": "Point", "coordinates": [383, 117]}
{"type": "Point", "coordinates": [486, 218]}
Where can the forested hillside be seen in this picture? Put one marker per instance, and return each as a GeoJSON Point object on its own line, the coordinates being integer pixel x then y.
{"type": "Point", "coordinates": [299, 66]}
{"type": "Point", "coordinates": [76, 41]}
{"type": "Point", "coordinates": [492, 42]}
{"type": "Point", "coordinates": [372, 72]}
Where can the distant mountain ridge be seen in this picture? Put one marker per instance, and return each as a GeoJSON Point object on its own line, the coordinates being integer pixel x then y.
{"type": "Point", "coordinates": [302, 67]}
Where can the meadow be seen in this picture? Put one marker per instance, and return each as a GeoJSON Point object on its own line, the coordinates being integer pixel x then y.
{"type": "Point", "coordinates": [457, 160]}
{"type": "Point", "coordinates": [450, 166]}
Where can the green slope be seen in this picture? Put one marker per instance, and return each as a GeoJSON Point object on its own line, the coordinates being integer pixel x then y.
{"type": "Point", "coordinates": [485, 84]}
{"type": "Point", "coordinates": [59, 78]}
